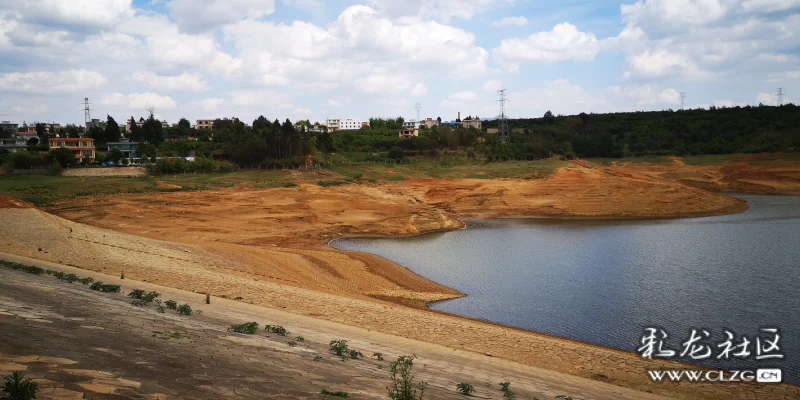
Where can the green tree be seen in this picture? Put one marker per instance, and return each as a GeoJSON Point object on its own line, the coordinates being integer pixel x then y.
{"type": "Point", "coordinates": [112, 132]}
{"type": "Point", "coordinates": [63, 156]}
{"type": "Point", "coordinates": [136, 131]}
{"type": "Point", "coordinates": [95, 132]}
{"type": "Point", "coordinates": [17, 387]}
{"type": "Point", "coordinates": [114, 155]}
{"type": "Point", "coordinates": [146, 150]}
{"type": "Point", "coordinates": [152, 131]}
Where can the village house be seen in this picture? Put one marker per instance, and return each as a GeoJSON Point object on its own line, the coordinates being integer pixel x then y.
{"type": "Point", "coordinates": [82, 148]}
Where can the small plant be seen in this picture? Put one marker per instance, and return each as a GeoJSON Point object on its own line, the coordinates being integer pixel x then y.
{"type": "Point", "coordinates": [318, 358]}
{"type": "Point", "coordinates": [247, 328]}
{"type": "Point", "coordinates": [22, 267]}
{"type": "Point", "coordinates": [70, 278]}
{"type": "Point", "coordinates": [150, 296]}
{"type": "Point", "coordinates": [355, 354]}
{"type": "Point", "coordinates": [292, 343]}
{"type": "Point", "coordinates": [507, 393]}
{"type": "Point", "coordinates": [379, 356]}
{"type": "Point", "coordinates": [171, 304]}
{"type": "Point", "coordinates": [17, 387]}
{"type": "Point", "coordinates": [208, 298]}
{"type": "Point", "coordinates": [276, 329]}
{"type": "Point", "coordinates": [563, 397]}
{"type": "Point", "coordinates": [300, 339]}
{"type": "Point", "coordinates": [339, 347]}
{"type": "Point", "coordinates": [136, 294]}
{"type": "Point", "coordinates": [465, 388]}
{"type": "Point", "coordinates": [402, 387]}
{"type": "Point", "coordinates": [336, 394]}
{"type": "Point", "coordinates": [160, 309]}
{"type": "Point", "coordinates": [184, 309]}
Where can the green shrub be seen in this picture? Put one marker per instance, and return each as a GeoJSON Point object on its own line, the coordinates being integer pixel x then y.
{"type": "Point", "coordinates": [402, 387]}
{"type": "Point", "coordinates": [102, 287]}
{"type": "Point", "coordinates": [142, 298]}
{"type": "Point", "coordinates": [318, 358]}
{"type": "Point", "coordinates": [22, 267]}
{"type": "Point", "coordinates": [276, 329]}
{"type": "Point", "coordinates": [136, 294]}
{"type": "Point", "coordinates": [17, 387]}
{"type": "Point", "coordinates": [171, 304]}
{"type": "Point", "coordinates": [85, 281]}
{"type": "Point", "coordinates": [339, 347]}
{"type": "Point", "coordinates": [292, 343]}
{"type": "Point", "coordinates": [336, 394]}
{"type": "Point", "coordinates": [300, 338]}
{"type": "Point", "coordinates": [355, 354]}
{"type": "Point", "coordinates": [184, 309]}
{"type": "Point", "coordinates": [247, 327]}
{"type": "Point", "coordinates": [379, 356]}
{"type": "Point", "coordinates": [507, 393]}
{"type": "Point", "coordinates": [465, 388]}
{"type": "Point", "coordinates": [160, 309]}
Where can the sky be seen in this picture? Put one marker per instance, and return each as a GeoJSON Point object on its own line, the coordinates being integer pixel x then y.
{"type": "Point", "coordinates": [315, 59]}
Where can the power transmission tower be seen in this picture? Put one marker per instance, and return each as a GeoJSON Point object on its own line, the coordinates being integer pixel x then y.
{"type": "Point", "coordinates": [502, 129]}
{"type": "Point", "coordinates": [418, 106]}
{"type": "Point", "coordinates": [780, 96]}
{"type": "Point", "coordinates": [683, 96]}
{"type": "Point", "coordinates": [87, 116]}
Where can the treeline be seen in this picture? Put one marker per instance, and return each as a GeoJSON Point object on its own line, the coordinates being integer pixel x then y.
{"type": "Point", "coordinates": [714, 131]}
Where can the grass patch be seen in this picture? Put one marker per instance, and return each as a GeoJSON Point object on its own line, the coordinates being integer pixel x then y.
{"type": "Point", "coordinates": [184, 309]}
{"type": "Point", "coordinates": [22, 267]}
{"type": "Point", "coordinates": [170, 335]}
{"type": "Point", "coordinates": [330, 183]}
{"type": "Point", "coordinates": [465, 388]}
{"type": "Point", "coordinates": [171, 304]}
{"type": "Point", "coordinates": [248, 328]}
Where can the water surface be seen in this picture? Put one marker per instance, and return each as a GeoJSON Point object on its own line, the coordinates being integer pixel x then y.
{"type": "Point", "coordinates": [603, 282]}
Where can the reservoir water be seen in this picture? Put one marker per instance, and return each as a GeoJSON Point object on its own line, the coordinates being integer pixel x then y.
{"type": "Point", "coordinates": [604, 282]}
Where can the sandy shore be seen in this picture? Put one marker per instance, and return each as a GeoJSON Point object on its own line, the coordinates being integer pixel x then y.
{"type": "Point", "coordinates": [269, 247]}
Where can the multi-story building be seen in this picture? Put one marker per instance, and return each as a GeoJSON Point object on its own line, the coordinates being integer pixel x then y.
{"type": "Point", "coordinates": [471, 122]}
{"type": "Point", "coordinates": [333, 125]}
{"type": "Point", "coordinates": [13, 144]}
{"type": "Point", "coordinates": [411, 124]}
{"type": "Point", "coordinates": [204, 124]}
{"type": "Point", "coordinates": [82, 148]}
{"type": "Point", "coordinates": [406, 133]}
{"type": "Point", "coordinates": [346, 124]}
{"type": "Point", "coordinates": [48, 127]}
{"type": "Point", "coordinates": [429, 123]}
{"type": "Point", "coordinates": [8, 126]}
{"type": "Point", "coordinates": [124, 145]}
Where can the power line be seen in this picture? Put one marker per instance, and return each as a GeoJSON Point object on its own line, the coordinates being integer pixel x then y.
{"type": "Point", "coordinates": [86, 113]}
{"type": "Point", "coordinates": [502, 130]}
{"type": "Point", "coordinates": [780, 96]}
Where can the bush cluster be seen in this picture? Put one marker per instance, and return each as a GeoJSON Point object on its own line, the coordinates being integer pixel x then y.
{"type": "Point", "coordinates": [276, 329]}
{"type": "Point", "coordinates": [247, 328]}
{"type": "Point", "coordinates": [103, 287]}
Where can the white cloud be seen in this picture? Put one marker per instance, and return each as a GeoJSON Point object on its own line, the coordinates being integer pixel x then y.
{"type": "Point", "coordinates": [769, 5]}
{"type": "Point", "coordinates": [184, 81]}
{"type": "Point", "coordinates": [491, 86]}
{"type": "Point", "coordinates": [419, 90]}
{"type": "Point", "coordinates": [660, 17]}
{"type": "Point", "coordinates": [564, 97]}
{"type": "Point", "coordinates": [193, 17]}
{"type": "Point", "coordinates": [72, 13]}
{"type": "Point", "coordinates": [209, 104]}
{"type": "Point", "coordinates": [50, 82]}
{"type": "Point", "coordinates": [662, 63]}
{"type": "Point", "coordinates": [441, 10]}
{"type": "Point", "coordinates": [510, 21]}
{"type": "Point", "coordinates": [138, 101]}
{"type": "Point", "coordinates": [460, 100]}
{"type": "Point", "coordinates": [564, 42]}
{"type": "Point", "coordinates": [335, 103]}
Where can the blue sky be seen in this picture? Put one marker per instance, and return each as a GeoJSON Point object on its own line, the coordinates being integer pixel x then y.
{"type": "Point", "coordinates": [359, 59]}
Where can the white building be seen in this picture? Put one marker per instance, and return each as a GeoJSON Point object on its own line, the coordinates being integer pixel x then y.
{"type": "Point", "coordinates": [344, 124]}
{"type": "Point", "coordinates": [411, 124]}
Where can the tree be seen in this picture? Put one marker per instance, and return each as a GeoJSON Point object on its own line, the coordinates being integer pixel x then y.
{"type": "Point", "coordinates": [41, 131]}
{"type": "Point", "coordinates": [146, 150]}
{"type": "Point", "coordinates": [111, 133]}
{"type": "Point", "coordinates": [63, 156]}
{"type": "Point", "coordinates": [184, 124]}
{"type": "Point", "coordinates": [95, 132]}
{"type": "Point", "coordinates": [114, 155]}
{"type": "Point", "coordinates": [325, 143]}
{"type": "Point", "coordinates": [152, 131]}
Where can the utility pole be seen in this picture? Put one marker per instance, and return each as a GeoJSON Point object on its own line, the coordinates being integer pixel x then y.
{"type": "Point", "coordinates": [502, 129]}
{"type": "Point", "coordinates": [683, 96]}
{"type": "Point", "coordinates": [780, 97]}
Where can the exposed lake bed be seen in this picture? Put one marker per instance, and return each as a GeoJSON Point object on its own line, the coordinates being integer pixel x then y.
{"type": "Point", "coordinates": [605, 281]}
